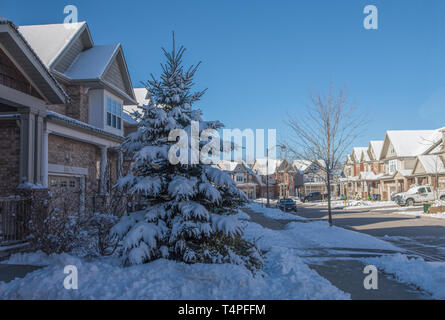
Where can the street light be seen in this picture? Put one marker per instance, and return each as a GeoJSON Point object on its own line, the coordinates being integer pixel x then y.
{"type": "Point", "coordinates": [283, 147]}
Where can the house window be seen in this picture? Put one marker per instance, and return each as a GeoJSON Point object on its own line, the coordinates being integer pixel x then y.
{"type": "Point", "coordinates": [114, 113]}
{"type": "Point", "coordinates": [63, 184]}
{"type": "Point", "coordinates": [392, 166]}
{"type": "Point", "coordinates": [239, 179]}
{"type": "Point", "coordinates": [72, 184]}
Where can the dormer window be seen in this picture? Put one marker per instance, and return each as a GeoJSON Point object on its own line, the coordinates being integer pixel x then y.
{"type": "Point", "coordinates": [114, 113]}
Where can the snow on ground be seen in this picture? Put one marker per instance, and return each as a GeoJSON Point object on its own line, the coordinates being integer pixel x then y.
{"type": "Point", "coordinates": [360, 204]}
{"type": "Point", "coordinates": [274, 213]}
{"type": "Point", "coordinates": [422, 214]}
{"type": "Point", "coordinates": [285, 276]}
{"type": "Point", "coordinates": [315, 234]}
{"type": "Point", "coordinates": [429, 276]}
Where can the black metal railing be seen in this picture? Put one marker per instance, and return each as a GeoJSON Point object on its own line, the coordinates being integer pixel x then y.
{"type": "Point", "coordinates": [14, 213]}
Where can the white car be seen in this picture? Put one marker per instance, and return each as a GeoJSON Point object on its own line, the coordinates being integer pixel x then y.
{"type": "Point", "coordinates": [418, 194]}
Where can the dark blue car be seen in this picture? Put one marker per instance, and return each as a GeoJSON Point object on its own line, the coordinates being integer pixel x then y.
{"type": "Point", "coordinates": [287, 204]}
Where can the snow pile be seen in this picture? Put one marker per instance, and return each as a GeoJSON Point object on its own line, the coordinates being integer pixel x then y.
{"type": "Point", "coordinates": [415, 271]}
{"type": "Point", "coordinates": [422, 214]}
{"type": "Point", "coordinates": [360, 204]}
{"type": "Point", "coordinates": [285, 276]}
{"type": "Point", "coordinates": [274, 213]}
{"type": "Point", "coordinates": [439, 203]}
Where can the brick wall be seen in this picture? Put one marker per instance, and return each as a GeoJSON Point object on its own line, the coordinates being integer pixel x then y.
{"type": "Point", "coordinates": [9, 156]}
{"type": "Point", "coordinates": [68, 152]}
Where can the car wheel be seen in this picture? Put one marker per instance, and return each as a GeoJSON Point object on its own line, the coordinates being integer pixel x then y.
{"type": "Point", "coordinates": [409, 202]}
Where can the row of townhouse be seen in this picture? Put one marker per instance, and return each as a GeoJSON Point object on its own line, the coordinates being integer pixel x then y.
{"type": "Point", "coordinates": [285, 179]}
{"type": "Point", "coordinates": [253, 179]}
{"type": "Point", "coordinates": [386, 167]}
{"type": "Point", "coordinates": [62, 112]}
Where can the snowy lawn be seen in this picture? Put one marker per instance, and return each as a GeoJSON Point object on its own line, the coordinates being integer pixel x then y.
{"type": "Point", "coordinates": [274, 213]}
{"type": "Point", "coordinates": [285, 274]}
{"type": "Point", "coordinates": [429, 276]}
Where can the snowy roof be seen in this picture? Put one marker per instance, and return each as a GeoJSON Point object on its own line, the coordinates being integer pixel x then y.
{"type": "Point", "coordinates": [142, 98]}
{"type": "Point", "coordinates": [91, 63]}
{"type": "Point", "coordinates": [376, 146]}
{"type": "Point", "coordinates": [301, 165]}
{"type": "Point", "coordinates": [60, 35]}
{"type": "Point", "coordinates": [261, 166]}
{"type": "Point", "coordinates": [77, 123]}
{"type": "Point", "coordinates": [357, 153]}
{"type": "Point", "coordinates": [432, 163]}
{"type": "Point", "coordinates": [227, 165]}
{"type": "Point", "coordinates": [58, 94]}
{"type": "Point", "coordinates": [405, 172]}
{"type": "Point", "coordinates": [369, 175]}
{"type": "Point", "coordinates": [410, 143]}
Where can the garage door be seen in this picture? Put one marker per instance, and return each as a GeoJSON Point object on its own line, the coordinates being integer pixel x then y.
{"type": "Point", "coordinates": [65, 193]}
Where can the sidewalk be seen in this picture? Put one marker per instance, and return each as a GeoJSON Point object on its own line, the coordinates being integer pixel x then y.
{"type": "Point", "coordinates": [343, 268]}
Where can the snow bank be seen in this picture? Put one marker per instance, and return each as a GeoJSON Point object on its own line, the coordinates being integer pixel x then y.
{"type": "Point", "coordinates": [422, 214]}
{"type": "Point", "coordinates": [360, 204]}
{"type": "Point", "coordinates": [274, 213]}
{"type": "Point", "coordinates": [285, 276]}
{"type": "Point", "coordinates": [415, 271]}
{"type": "Point", "coordinates": [316, 234]}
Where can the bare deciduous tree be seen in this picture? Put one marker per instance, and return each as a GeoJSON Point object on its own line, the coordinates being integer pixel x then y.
{"type": "Point", "coordinates": [324, 131]}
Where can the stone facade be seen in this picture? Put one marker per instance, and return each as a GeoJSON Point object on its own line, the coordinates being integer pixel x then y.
{"type": "Point", "coordinates": [10, 156]}
{"type": "Point", "coordinates": [78, 107]}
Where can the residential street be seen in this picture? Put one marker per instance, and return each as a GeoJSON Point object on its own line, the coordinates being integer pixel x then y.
{"type": "Point", "coordinates": [343, 267]}
{"type": "Point", "coordinates": [419, 235]}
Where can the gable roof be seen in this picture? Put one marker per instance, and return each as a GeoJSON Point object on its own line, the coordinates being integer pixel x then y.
{"type": "Point", "coordinates": [16, 44]}
{"type": "Point", "coordinates": [91, 63]}
{"type": "Point", "coordinates": [301, 165]}
{"type": "Point", "coordinates": [408, 143]}
{"type": "Point", "coordinates": [432, 164]}
{"type": "Point", "coordinates": [357, 153]}
{"type": "Point", "coordinates": [260, 166]}
{"type": "Point", "coordinates": [104, 65]}
{"type": "Point", "coordinates": [375, 148]}
{"type": "Point", "coordinates": [50, 40]}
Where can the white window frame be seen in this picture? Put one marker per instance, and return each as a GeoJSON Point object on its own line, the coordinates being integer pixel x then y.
{"type": "Point", "coordinates": [392, 166]}
{"type": "Point", "coordinates": [113, 113]}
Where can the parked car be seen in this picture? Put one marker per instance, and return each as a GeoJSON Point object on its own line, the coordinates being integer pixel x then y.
{"type": "Point", "coordinates": [418, 194]}
{"type": "Point", "coordinates": [313, 196]}
{"type": "Point", "coordinates": [287, 204]}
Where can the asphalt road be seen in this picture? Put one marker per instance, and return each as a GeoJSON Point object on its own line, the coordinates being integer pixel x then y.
{"type": "Point", "coordinates": [420, 235]}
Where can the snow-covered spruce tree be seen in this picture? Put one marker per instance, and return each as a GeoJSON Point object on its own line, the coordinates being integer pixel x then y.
{"type": "Point", "coordinates": [190, 216]}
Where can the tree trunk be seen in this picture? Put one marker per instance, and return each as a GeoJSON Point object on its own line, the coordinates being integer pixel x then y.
{"type": "Point", "coordinates": [329, 200]}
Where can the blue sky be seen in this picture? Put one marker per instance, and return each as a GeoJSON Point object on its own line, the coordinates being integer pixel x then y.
{"type": "Point", "coordinates": [261, 58]}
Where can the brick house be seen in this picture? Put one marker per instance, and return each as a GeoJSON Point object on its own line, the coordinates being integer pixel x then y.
{"type": "Point", "coordinates": [69, 139]}
{"type": "Point", "coordinates": [244, 177]}
{"type": "Point", "coordinates": [404, 158]}
{"type": "Point", "coordinates": [279, 173]}
{"type": "Point", "coordinates": [314, 179]}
